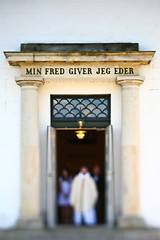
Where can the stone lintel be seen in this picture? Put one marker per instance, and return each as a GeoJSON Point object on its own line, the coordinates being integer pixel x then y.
{"type": "Point", "coordinates": [21, 58]}
{"type": "Point", "coordinates": [130, 80]}
{"type": "Point", "coordinates": [29, 81]}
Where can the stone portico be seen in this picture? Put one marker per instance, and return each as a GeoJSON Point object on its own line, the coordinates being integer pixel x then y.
{"type": "Point", "coordinates": [121, 67]}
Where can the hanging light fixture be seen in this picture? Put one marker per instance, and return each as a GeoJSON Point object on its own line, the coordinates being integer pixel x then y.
{"type": "Point", "coordinates": [80, 133]}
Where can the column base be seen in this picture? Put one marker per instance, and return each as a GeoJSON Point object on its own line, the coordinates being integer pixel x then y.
{"type": "Point", "coordinates": [30, 223]}
{"type": "Point", "coordinates": [131, 222]}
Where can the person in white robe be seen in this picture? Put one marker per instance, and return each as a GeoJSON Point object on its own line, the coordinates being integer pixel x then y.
{"type": "Point", "coordinates": [83, 198]}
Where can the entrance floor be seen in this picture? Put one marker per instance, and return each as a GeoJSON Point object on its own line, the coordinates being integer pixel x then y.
{"type": "Point", "coordinates": [85, 233]}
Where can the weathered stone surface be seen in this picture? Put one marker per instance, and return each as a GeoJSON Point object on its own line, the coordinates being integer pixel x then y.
{"type": "Point", "coordinates": [136, 57]}
{"type": "Point", "coordinates": [79, 47]}
{"type": "Point", "coordinates": [85, 233]}
{"type": "Point", "coordinates": [130, 149]}
{"type": "Point", "coordinates": [30, 160]}
{"type": "Point", "coordinates": [131, 222]}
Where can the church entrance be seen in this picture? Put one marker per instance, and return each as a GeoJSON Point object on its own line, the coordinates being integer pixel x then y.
{"type": "Point", "coordinates": [73, 153]}
{"type": "Point", "coordinates": [65, 150]}
{"type": "Point", "coordinates": [83, 113]}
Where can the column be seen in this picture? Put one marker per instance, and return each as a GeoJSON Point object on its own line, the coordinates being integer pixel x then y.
{"type": "Point", "coordinates": [30, 159]}
{"type": "Point", "coordinates": [130, 151]}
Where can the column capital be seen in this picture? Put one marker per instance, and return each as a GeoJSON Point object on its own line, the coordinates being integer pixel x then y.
{"type": "Point", "coordinates": [29, 81]}
{"type": "Point", "coordinates": [130, 80]}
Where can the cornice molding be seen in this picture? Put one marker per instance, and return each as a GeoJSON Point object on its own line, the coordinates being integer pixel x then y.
{"type": "Point", "coordinates": [136, 57]}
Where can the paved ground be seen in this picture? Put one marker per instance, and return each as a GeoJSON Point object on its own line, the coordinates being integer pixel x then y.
{"type": "Point", "coordinates": [81, 233]}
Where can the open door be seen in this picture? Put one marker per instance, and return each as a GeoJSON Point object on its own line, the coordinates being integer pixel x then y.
{"type": "Point", "coordinates": [109, 179]}
{"type": "Point", "coordinates": [51, 178]}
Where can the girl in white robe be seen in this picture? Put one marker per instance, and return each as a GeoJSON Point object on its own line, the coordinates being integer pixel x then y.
{"type": "Point", "coordinates": [64, 196]}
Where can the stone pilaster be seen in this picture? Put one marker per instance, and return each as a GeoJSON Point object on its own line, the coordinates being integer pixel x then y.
{"type": "Point", "coordinates": [30, 159]}
{"type": "Point", "coordinates": [130, 151]}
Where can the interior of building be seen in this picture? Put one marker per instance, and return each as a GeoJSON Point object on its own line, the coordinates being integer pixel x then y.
{"type": "Point", "coordinates": [73, 153]}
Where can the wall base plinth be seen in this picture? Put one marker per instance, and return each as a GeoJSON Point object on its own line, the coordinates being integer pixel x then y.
{"type": "Point", "coordinates": [35, 223]}
{"type": "Point", "coordinates": [131, 222]}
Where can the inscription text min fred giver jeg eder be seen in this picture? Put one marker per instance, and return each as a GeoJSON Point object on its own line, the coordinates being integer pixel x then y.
{"type": "Point", "coordinates": [79, 71]}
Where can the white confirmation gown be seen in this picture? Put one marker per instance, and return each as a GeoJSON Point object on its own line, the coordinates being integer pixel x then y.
{"type": "Point", "coordinates": [83, 199]}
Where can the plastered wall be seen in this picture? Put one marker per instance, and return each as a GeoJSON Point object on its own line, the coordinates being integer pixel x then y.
{"type": "Point", "coordinates": [78, 21]}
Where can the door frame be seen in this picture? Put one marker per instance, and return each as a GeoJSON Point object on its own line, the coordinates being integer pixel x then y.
{"type": "Point", "coordinates": [51, 193]}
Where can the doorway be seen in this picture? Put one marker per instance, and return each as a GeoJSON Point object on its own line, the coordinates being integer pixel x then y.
{"type": "Point", "coordinates": [96, 148]}
{"type": "Point", "coordinates": [73, 153]}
